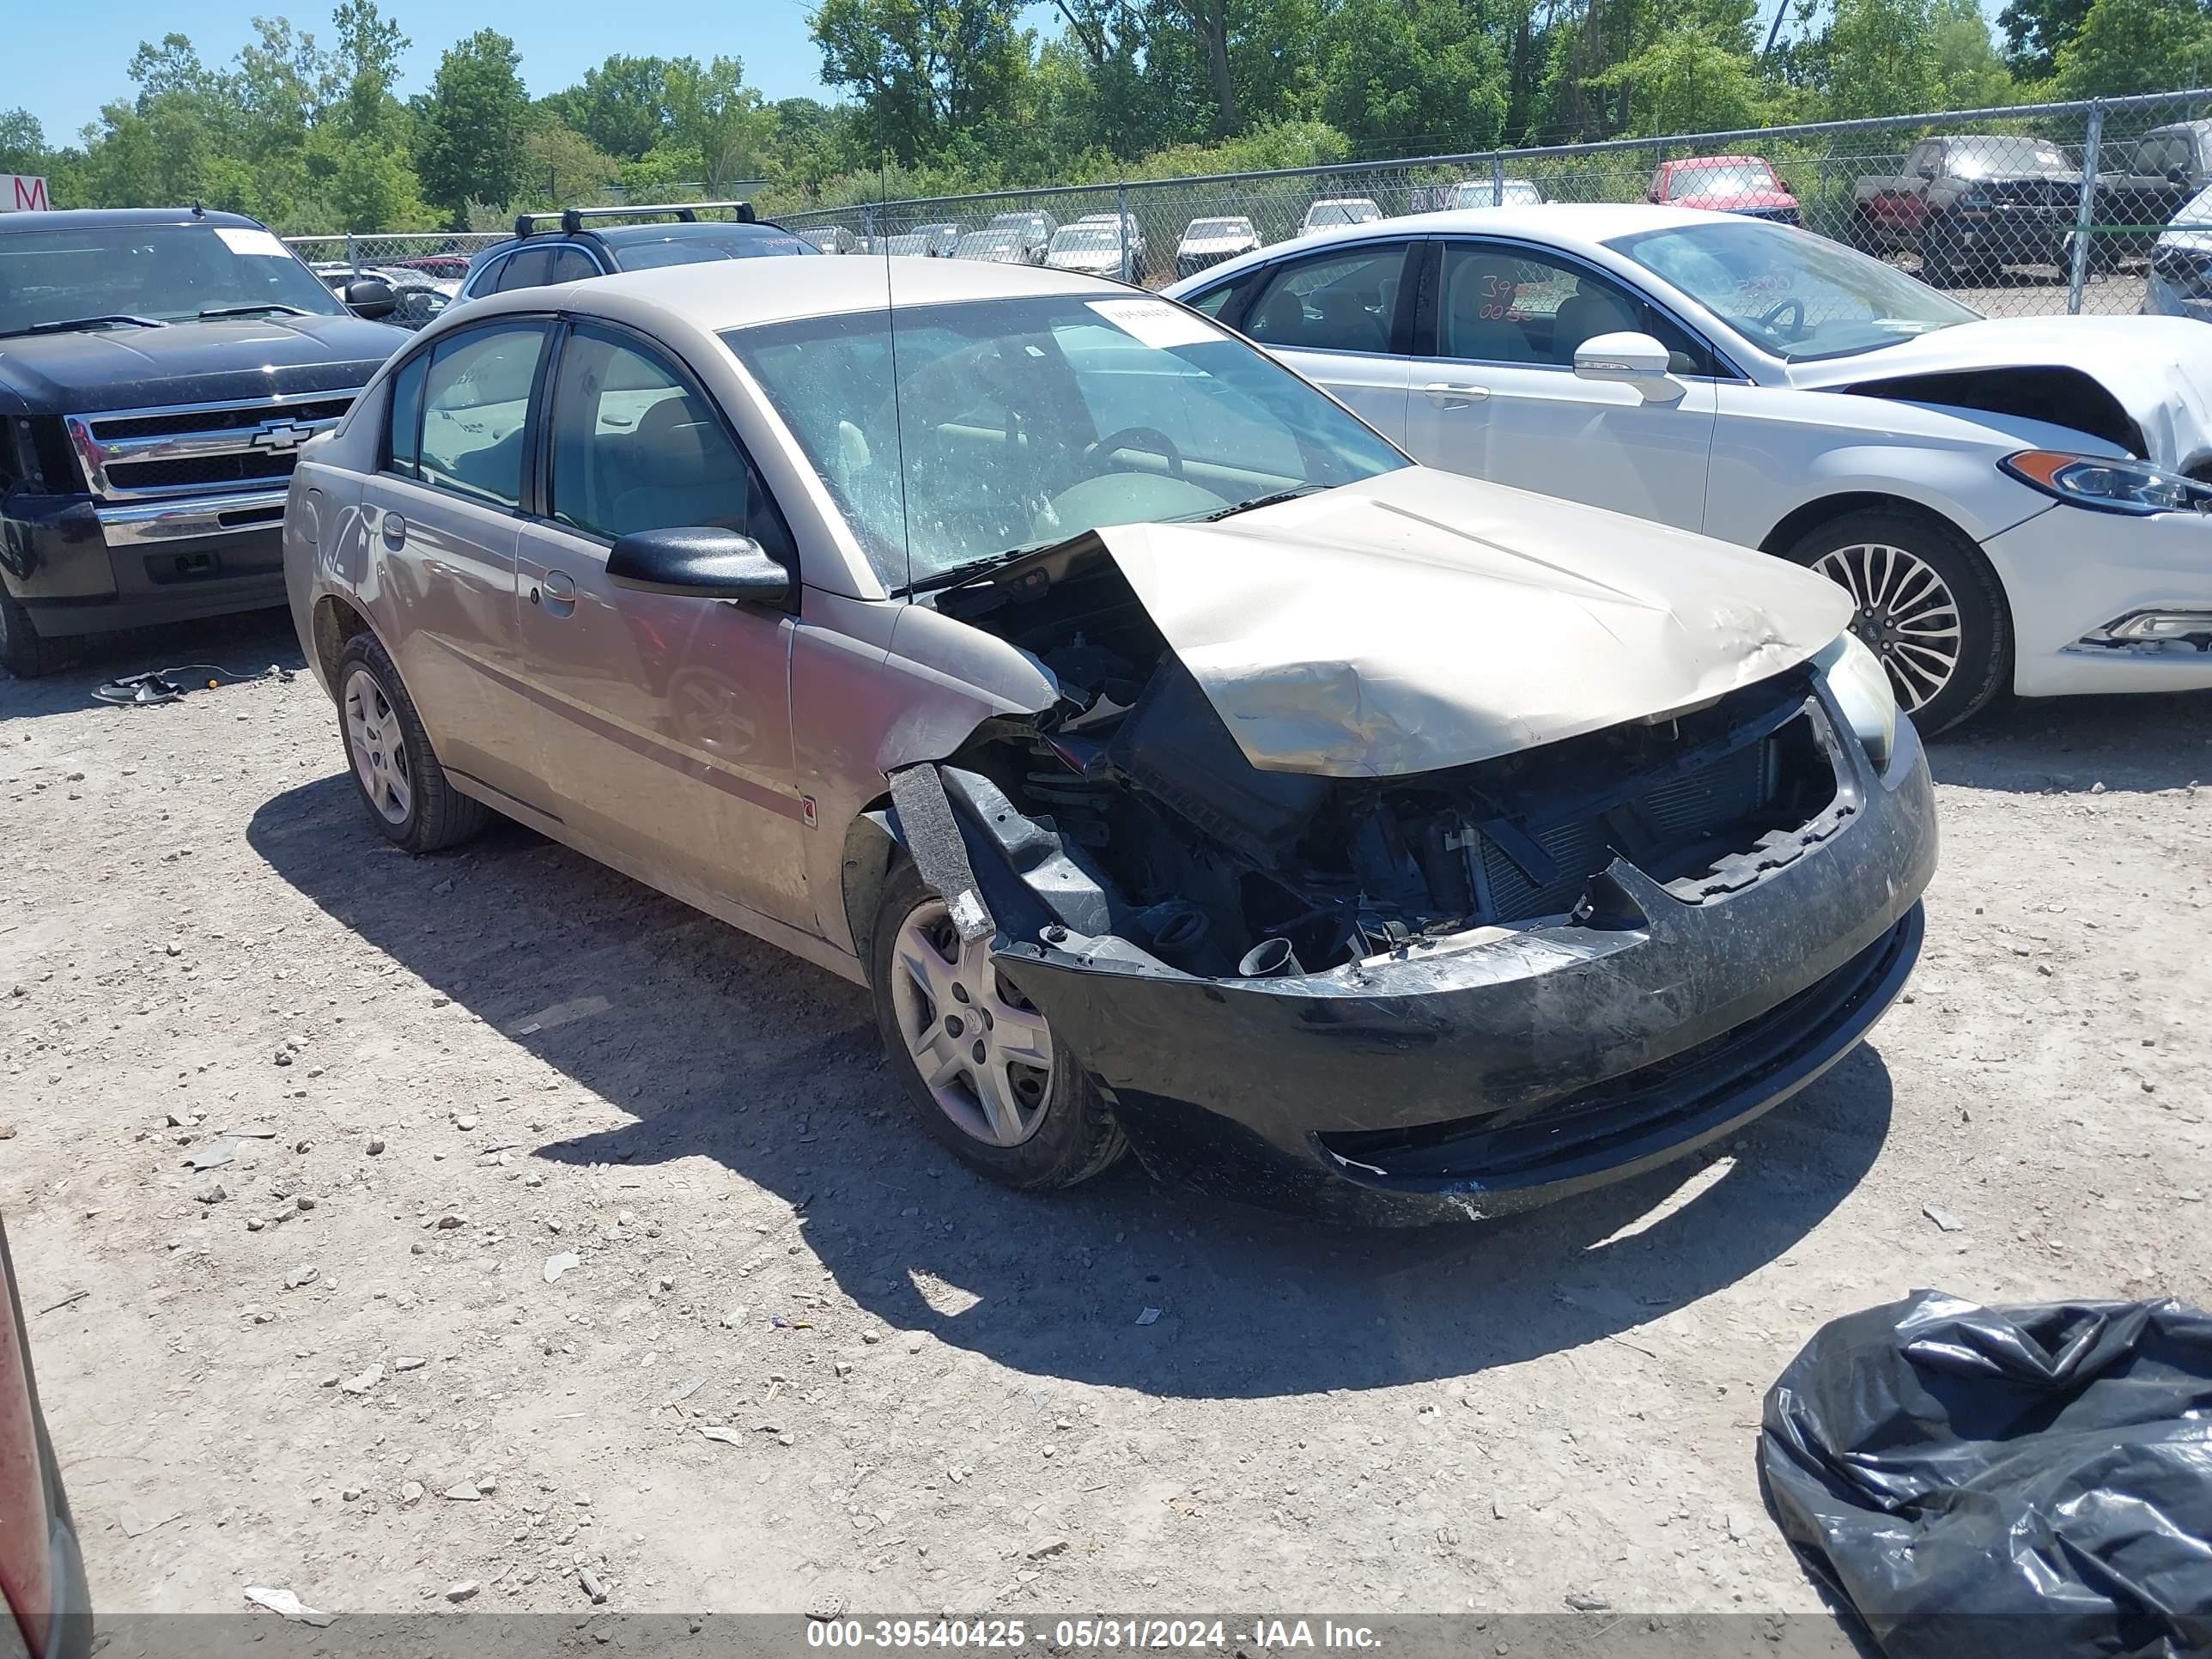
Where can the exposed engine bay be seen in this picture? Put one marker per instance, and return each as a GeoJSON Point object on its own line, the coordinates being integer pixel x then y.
{"type": "Point", "coordinates": [1219, 869]}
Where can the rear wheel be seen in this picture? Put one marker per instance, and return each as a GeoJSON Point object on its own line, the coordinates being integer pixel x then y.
{"type": "Point", "coordinates": [408, 797]}
{"type": "Point", "coordinates": [1927, 603]}
{"type": "Point", "coordinates": [24, 652]}
{"type": "Point", "coordinates": [980, 1066]}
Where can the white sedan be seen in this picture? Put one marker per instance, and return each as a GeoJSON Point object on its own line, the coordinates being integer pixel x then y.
{"type": "Point", "coordinates": [2011, 503]}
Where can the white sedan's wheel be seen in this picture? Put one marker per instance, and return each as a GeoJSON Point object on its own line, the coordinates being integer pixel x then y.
{"type": "Point", "coordinates": [377, 745]}
{"type": "Point", "coordinates": [984, 1054]}
{"type": "Point", "coordinates": [1925, 601]}
{"type": "Point", "coordinates": [1905, 611]}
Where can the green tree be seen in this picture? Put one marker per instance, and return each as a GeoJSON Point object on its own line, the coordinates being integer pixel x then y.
{"type": "Point", "coordinates": [561, 167]}
{"type": "Point", "coordinates": [1419, 72]}
{"type": "Point", "coordinates": [2137, 46]}
{"type": "Point", "coordinates": [927, 69]}
{"type": "Point", "coordinates": [2034, 30]}
{"type": "Point", "coordinates": [621, 107]}
{"type": "Point", "coordinates": [22, 143]}
{"type": "Point", "coordinates": [470, 126]}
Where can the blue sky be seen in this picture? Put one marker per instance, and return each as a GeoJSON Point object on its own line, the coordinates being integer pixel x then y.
{"type": "Point", "coordinates": [76, 71]}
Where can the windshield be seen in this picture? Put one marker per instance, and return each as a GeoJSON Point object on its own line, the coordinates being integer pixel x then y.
{"type": "Point", "coordinates": [1984, 158]}
{"type": "Point", "coordinates": [1206, 229]}
{"type": "Point", "coordinates": [1791, 293]}
{"type": "Point", "coordinates": [1720, 179]}
{"type": "Point", "coordinates": [1343, 213]}
{"type": "Point", "coordinates": [991, 440]}
{"type": "Point", "coordinates": [162, 273]}
{"type": "Point", "coordinates": [1084, 238]}
{"type": "Point", "coordinates": [981, 244]}
{"type": "Point", "coordinates": [732, 244]}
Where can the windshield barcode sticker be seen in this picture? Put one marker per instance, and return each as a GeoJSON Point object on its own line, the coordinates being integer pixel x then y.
{"type": "Point", "coordinates": [1156, 323]}
{"type": "Point", "coordinates": [244, 239]}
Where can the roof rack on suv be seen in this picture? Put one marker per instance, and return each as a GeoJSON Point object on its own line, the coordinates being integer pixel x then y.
{"type": "Point", "coordinates": [572, 219]}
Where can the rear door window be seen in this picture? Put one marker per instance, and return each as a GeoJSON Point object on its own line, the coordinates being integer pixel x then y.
{"type": "Point", "coordinates": [476, 400]}
{"type": "Point", "coordinates": [527, 269]}
{"type": "Point", "coordinates": [403, 431]}
{"type": "Point", "coordinates": [1339, 302]}
{"type": "Point", "coordinates": [570, 264]}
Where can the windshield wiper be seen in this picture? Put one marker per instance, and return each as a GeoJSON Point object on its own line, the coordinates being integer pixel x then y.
{"type": "Point", "coordinates": [252, 310]}
{"type": "Point", "coordinates": [974, 568]}
{"type": "Point", "coordinates": [108, 319]}
{"type": "Point", "coordinates": [1280, 496]}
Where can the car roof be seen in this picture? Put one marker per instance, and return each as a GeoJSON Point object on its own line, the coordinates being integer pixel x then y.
{"type": "Point", "coordinates": [1578, 225]}
{"type": "Point", "coordinates": [85, 218]}
{"type": "Point", "coordinates": [723, 294]}
{"type": "Point", "coordinates": [1714, 161]}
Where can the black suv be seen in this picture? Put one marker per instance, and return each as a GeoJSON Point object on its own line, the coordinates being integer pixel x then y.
{"type": "Point", "coordinates": [567, 252]}
{"type": "Point", "coordinates": [159, 369]}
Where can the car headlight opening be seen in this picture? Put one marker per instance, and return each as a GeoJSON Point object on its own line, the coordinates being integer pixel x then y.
{"type": "Point", "coordinates": [1862, 690]}
{"type": "Point", "coordinates": [2108, 484]}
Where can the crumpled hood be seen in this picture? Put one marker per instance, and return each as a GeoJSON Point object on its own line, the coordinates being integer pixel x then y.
{"type": "Point", "coordinates": [1422, 620]}
{"type": "Point", "coordinates": [2158, 368]}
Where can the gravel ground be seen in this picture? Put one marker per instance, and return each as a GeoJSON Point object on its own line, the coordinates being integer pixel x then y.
{"type": "Point", "coordinates": [800, 1357]}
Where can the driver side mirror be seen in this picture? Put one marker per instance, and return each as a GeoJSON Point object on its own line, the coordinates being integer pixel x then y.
{"type": "Point", "coordinates": [1628, 359]}
{"type": "Point", "coordinates": [698, 562]}
{"type": "Point", "coordinates": [370, 297]}
{"type": "Point", "coordinates": [2176, 174]}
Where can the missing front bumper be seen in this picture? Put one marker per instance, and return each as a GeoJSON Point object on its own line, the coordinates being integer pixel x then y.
{"type": "Point", "coordinates": [1474, 1082]}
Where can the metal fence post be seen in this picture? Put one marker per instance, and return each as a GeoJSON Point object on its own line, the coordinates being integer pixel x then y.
{"type": "Point", "coordinates": [353, 260]}
{"type": "Point", "coordinates": [2085, 212]}
{"type": "Point", "coordinates": [1498, 178]}
{"type": "Point", "coordinates": [1122, 224]}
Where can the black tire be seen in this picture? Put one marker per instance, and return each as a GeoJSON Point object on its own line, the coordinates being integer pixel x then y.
{"type": "Point", "coordinates": [24, 652]}
{"type": "Point", "coordinates": [1072, 1135]}
{"type": "Point", "coordinates": [1983, 667]}
{"type": "Point", "coordinates": [1944, 263]}
{"type": "Point", "coordinates": [433, 814]}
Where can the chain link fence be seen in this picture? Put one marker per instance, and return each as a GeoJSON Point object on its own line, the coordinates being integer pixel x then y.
{"type": "Point", "coordinates": [2031, 210]}
{"type": "Point", "coordinates": [423, 268]}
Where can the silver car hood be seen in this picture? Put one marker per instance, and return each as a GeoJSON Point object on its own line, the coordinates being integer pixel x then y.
{"type": "Point", "coordinates": [2158, 368]}
{"type": "Point", "coordinates": [1422, 620]}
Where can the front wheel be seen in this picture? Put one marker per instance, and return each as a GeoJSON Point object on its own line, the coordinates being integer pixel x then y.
{"type": "Point", "coordinates": [980, 1066]}
{"type": "Point", "coordinates": [1928, 603]}
{"type": "Point", "coordinates": [24, 652]}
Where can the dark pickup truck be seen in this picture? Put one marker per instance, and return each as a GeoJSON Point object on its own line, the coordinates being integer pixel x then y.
{"type": "Point", "coordinates": [1971, 205]}
{"type": "Point", "coordinates": [159, 370]}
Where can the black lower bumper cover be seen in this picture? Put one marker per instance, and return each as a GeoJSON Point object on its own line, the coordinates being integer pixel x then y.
{"type": "Point", "coordinates": [55, 562]}
{"type": "Point", "coordinates": [1472, 1084]}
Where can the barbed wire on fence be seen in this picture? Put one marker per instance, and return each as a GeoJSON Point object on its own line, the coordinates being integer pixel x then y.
{"type": "Point", "coordinates": [2031, 210]}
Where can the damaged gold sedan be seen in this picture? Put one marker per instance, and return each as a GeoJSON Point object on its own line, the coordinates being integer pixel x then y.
{"type": "Point", "coordinates": [1182, 768]}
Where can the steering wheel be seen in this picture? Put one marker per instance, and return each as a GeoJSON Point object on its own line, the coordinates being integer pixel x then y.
{"type": "Point", "coordinates": [1147, 438]}
{"type": "Point", "coordinates": [1791, 306]}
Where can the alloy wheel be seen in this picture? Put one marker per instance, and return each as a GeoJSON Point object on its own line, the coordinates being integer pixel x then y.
{"type": "Point", "coordinates": [378, 744]}
{"type": "Point", "coordinates": [1905, 611]}
{"type": "Point", "coordinates": [984, 1054]}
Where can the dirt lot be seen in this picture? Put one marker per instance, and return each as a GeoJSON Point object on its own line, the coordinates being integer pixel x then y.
{"type": "Point", "coordinates": [939, 1395]}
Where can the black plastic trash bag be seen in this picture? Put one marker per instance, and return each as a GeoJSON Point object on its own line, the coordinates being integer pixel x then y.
{"type": "Point", "coordinates": [2006, 1481]}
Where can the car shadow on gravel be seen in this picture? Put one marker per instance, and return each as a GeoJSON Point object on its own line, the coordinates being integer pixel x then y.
{"type": "Point", "coordinates": [724, 1048]}
{"type": "Point", "coordinates": [2069, 745]}
{"type": "Point", "coordinates": [241, 647]}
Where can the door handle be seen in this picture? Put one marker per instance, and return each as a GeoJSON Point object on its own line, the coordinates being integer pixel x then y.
{"type": "Point", "coordinates": [395, 530]}
{"type": "Point", "coordinates": [560, 592]}
{"type": "Point", "coordinates": [1451, 394]}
